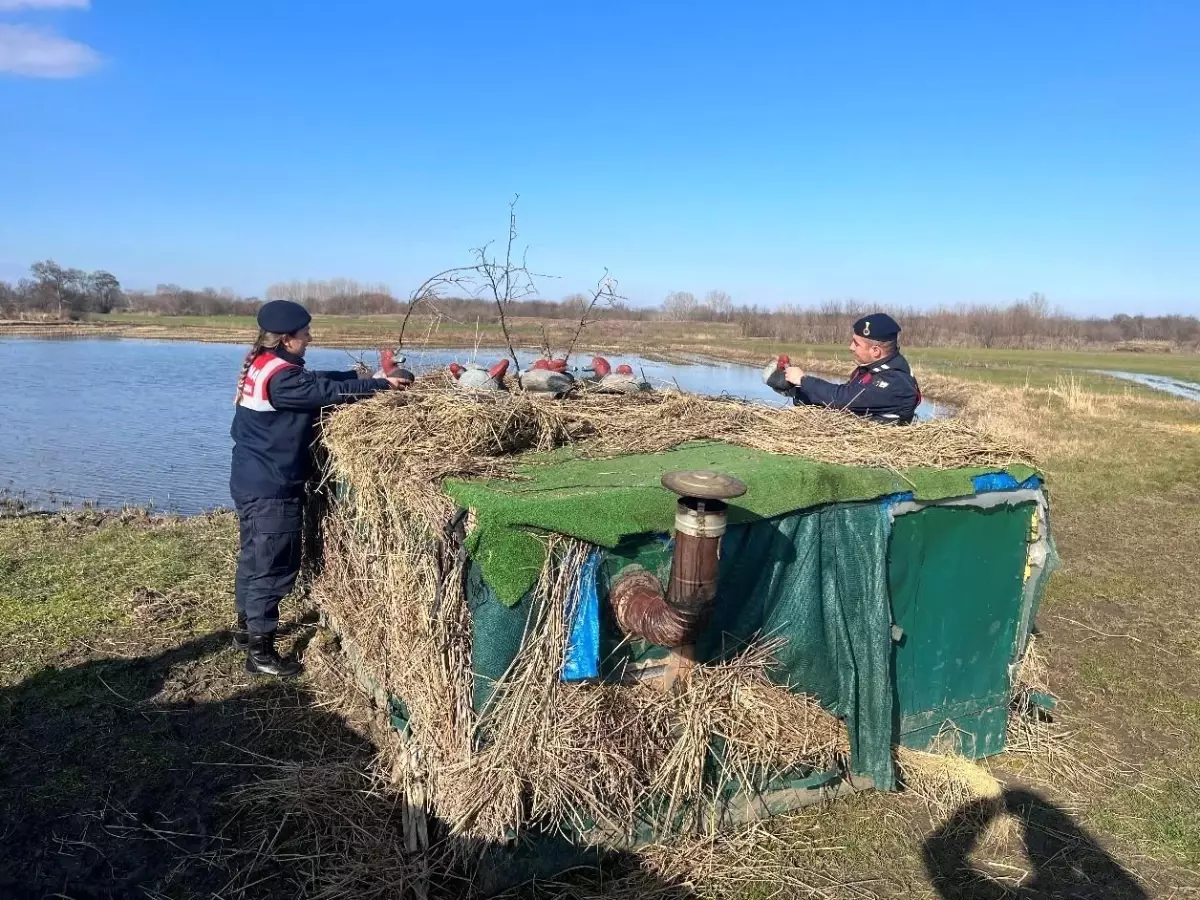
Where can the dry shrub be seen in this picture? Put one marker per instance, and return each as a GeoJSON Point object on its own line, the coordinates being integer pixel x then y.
{"type": "Point", "coordinates": [1074, 395]}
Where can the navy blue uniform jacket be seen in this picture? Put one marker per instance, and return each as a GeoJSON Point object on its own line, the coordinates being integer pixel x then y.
{"type": "Point", "coordinates": [884, 392]}
{"type": "Point", "coordinates": [271, 448]}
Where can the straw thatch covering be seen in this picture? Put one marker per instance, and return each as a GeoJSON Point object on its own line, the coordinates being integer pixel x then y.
{"type": "Point", "coordinates": [409, 442]}
{"type": "Point", "coordinates": [542, 750]}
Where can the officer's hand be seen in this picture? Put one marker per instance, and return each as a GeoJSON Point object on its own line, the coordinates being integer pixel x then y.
{"type": "Point", "coordinates": [793, 374]}
{"type": "Point", "coordinates": [398, 384]}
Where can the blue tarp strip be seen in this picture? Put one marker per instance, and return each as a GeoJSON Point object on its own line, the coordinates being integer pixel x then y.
{"type": "Point", "coordinates": [1002, 481]}
{"type": "Point", "coordinates": [582, 659]}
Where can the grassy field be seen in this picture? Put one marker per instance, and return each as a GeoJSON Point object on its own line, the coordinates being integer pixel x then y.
{"type": "Point", "coordinates": [132, 743]}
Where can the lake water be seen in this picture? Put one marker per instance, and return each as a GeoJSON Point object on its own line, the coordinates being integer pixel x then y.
{"type": "Point", "coordinates": [1189, 390]}
{"type": "Point", "coordinates": [115, 422]}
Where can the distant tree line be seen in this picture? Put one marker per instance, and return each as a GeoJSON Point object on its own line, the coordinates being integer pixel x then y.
{"type": "Point", "coordinates": [63, 293]}
{"type": "Point", "coordinates": [51, 291]}
{"type": "Point", "coordinates": [1022, 325]}
{"type": "Point", "coordinates": [344, 296]}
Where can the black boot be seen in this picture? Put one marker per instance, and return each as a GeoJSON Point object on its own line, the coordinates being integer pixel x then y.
{"type": "Point", "coordinates": [241, 637]}
{"type": "Point", "coordinates": [261, 658]}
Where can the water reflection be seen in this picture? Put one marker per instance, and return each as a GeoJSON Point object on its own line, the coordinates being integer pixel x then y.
{"type": "Point", "coordinates": [115, 421]}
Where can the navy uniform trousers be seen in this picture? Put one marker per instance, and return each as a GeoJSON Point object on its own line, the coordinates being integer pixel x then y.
{"type": "Point", "coordinates": [268, 558]}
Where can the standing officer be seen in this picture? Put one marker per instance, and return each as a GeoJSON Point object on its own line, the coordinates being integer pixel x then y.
{"type": "Point", "coordinates": [882, 388]}
{"type": "Point", "coordinates": [277, 404]}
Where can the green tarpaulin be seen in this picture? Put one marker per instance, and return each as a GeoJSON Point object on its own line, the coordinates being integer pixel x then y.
{"type": "Point", "coordinates": [831, 581]}
{"type": "Point", "coordinates": [813, 556]}
{"type": "Point", "coordinates": [956, 581]}
{"type": "Point", "coordinates": [603, 501]}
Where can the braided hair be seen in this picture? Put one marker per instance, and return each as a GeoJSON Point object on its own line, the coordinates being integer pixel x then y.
{"type": "Point", "coordinates": [266, 340]}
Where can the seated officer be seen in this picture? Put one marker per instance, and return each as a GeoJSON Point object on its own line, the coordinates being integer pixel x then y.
{"type": "Point", "coordinates": [882, 388]}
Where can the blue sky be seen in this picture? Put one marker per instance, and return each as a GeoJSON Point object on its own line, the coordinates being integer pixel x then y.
{"type": "Point", "coordinates": [908, 153]}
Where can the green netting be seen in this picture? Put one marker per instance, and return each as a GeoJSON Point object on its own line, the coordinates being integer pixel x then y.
{"type": "Point", "coordinates": [603, 501]}
{"type": "Point", "coordinates": [497, 632]}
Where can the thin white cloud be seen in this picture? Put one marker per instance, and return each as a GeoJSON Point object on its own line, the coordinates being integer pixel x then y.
{"type": "Point", "coordinates": [39, 53]}
{"type": "Point", "coordinates": [7, 5]}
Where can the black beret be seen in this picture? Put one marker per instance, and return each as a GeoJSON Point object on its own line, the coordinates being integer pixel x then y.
{"type": "Point", "coordinates": [877, 327]}
{"type": "Point", "coordinates": [283, 317]}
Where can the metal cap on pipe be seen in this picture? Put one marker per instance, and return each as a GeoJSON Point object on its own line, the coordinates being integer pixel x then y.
{"type": "Point", "coordinates": [703, 485]}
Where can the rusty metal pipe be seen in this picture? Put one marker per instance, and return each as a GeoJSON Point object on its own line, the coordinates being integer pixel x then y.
{"type": "Point", "coordinates": [641, 608]}
{"type": "Point", "coordinates": [675, 616]}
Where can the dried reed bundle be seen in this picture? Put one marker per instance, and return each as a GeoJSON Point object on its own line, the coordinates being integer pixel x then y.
{"type": "Point", "coordinates": [379, 583]}
{"type": "Point", "coordinates": [761, 728]}
{"type": "Point", "coordinates": [572, 755]}
{"type": "Point", "coordinates": [948, 783]}
{"type": "Point", "coordinates": [580, 757]}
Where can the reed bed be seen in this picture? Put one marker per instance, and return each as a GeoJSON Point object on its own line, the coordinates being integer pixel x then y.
{"type": "Point", "coordinates": [592, 758]}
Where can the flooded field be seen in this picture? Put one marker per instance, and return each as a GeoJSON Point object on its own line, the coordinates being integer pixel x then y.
{"type": "Point", "coordinates": [1189, 390]}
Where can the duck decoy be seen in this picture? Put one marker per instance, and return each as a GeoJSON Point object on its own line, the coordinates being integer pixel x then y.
{"type": "Point", "coordinates": [392, 366]}
{"type": "Point", "coordinates": [473, 377]}
{"type": "Point", "coordinates": [773, 374]}
{"type": "Point", "coordinates": [621, 381]}
{"type": "Point", "coordinates": [544, 378]}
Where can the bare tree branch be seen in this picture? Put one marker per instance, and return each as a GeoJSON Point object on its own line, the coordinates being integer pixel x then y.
{"type": "Point", "coordinates": [503, 282]}
{"type": "Point", "coordinates": [606, 291]}
{"type": "Point", "coordinates": [429, 291]}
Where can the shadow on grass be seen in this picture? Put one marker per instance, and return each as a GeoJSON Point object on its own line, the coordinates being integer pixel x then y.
{"type": "Point", "coordinates": [175, 775]}
{"type": "Point", "coordinates": [1064, 860]}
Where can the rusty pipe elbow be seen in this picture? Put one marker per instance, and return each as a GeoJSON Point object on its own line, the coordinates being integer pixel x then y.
{"type": "Point", "coordinates": [674, 616]}
{"type": "Point", "coordinates": [641, 609]}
